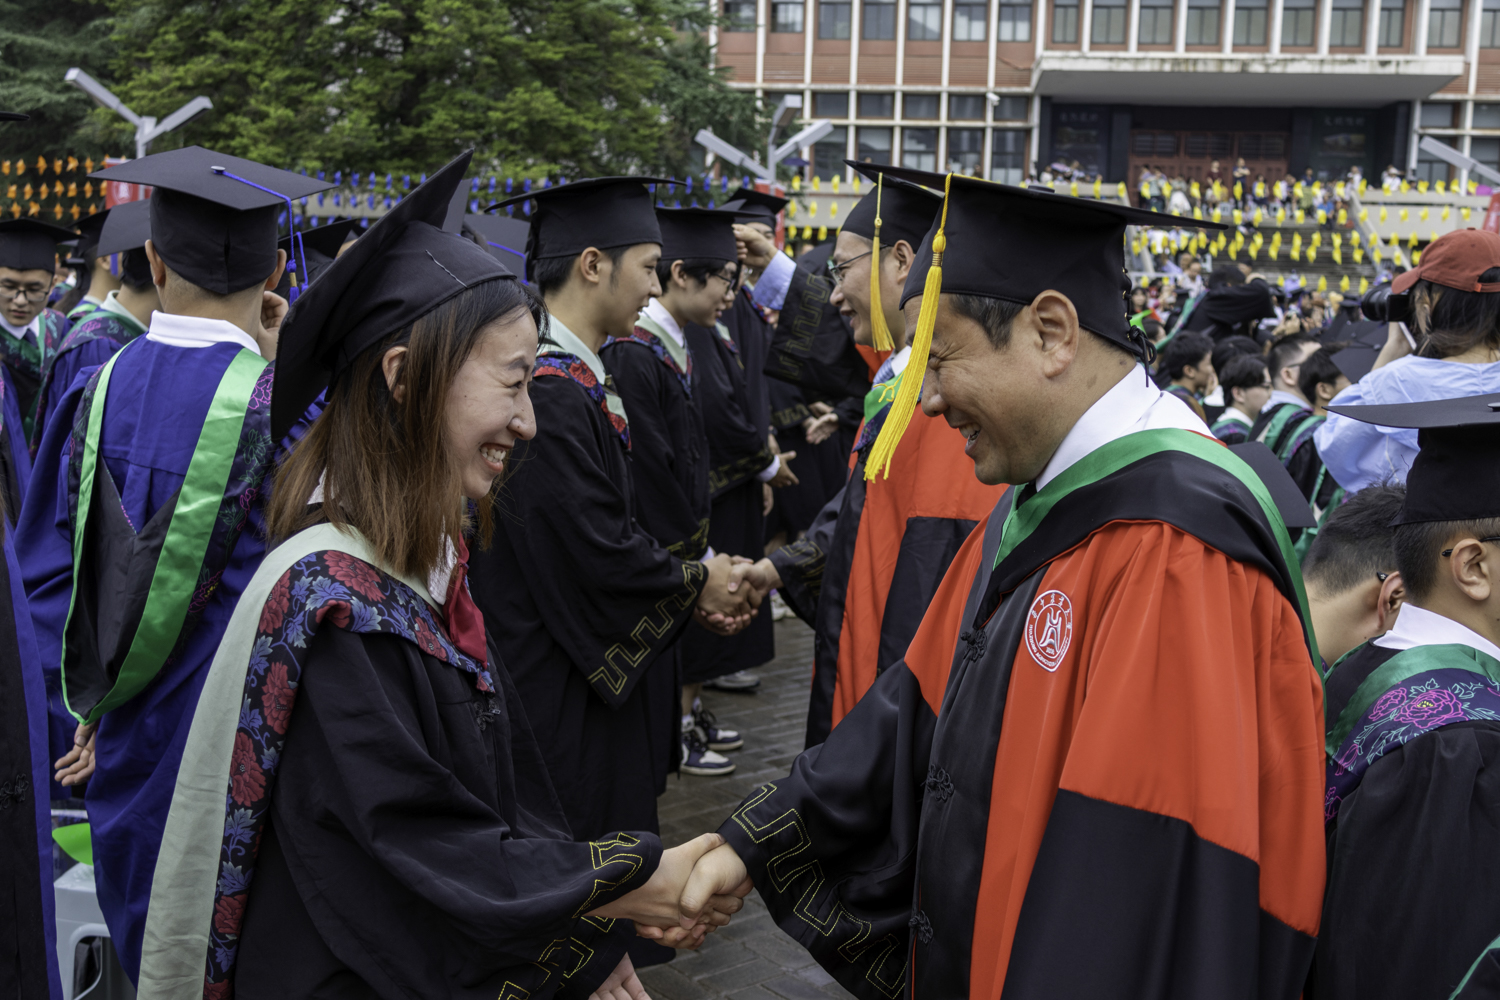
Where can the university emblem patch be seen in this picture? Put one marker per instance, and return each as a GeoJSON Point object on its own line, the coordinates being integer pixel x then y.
{"type": "Point", "coordinates": [1049, 628]}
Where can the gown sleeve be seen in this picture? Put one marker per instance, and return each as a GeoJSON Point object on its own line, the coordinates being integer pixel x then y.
{"type": "Point", "coordinates": [800, 564]}
{"type": "Point", "coordinates": [737, 450]}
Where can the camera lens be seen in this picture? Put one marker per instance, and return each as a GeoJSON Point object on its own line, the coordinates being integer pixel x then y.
{"type": "Point", "coordinates": [1384, 306]}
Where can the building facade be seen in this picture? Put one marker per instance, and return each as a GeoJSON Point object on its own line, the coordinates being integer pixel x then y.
{"type": "Point", "coordinates": [1000, 88]}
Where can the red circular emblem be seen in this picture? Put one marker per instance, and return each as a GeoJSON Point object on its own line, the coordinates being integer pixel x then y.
{"type": "Point", "coordinates": [1049, 628]}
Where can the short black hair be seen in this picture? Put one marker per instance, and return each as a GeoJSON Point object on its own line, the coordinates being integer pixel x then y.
{"type": "Point", "coordinates": [997, 315]}
{"type": "Point", "coordinates": [1317, 369]}
{"type": "Point", "coordinates": [697, 269]}
{"type": "Point", "coordinates": [135, 269]}
{"type": "Point", "coordinates": [1244, 371]}
{"type": "Point", "coordinates": [1419, 550]}
{"type": "Point", "coordinates": [1229, 348]}
{"type": "Point", "coordinates": [1284, 349]}
{"type": "Point", "coordinates": [1187, 348]}
{"type": "Point", "coordinates": [1226, 274]}
{"type": "Point", "coordinates": [1357, 541]}
{"type": "Point", "coordinates": [551, 273]}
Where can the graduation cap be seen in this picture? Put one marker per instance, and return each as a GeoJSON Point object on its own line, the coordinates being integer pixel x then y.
{"type": "Point", "coordinates": [1285, 493]}
{"type": "Point", "coordinates": [696, 234]}
{"type": "Point", "coordinates": [214, 216]}
{"type": "Point", "coordinates": [750, 205]}
{"type": "Point", "coordinates": [88, 236]}
{"type": "Point", "coordinates": [31, 245]}
{"type": "Point", "coordinates": [1356, 360]}
{"type": "Point", "coordinates": [401, 269]}
{"type": "Point", "coordinates": [127, 228]}
{"type": "Point", "coordinates": [602, 212]}
{"type": "Point", "coordinates": [1456, 474]}
{"type": "Point", "coordinates": [458, 205]}
{"type": "Point", "coordinates": [320, 247]}
{"type": "Point", "coordinates": [895, 210]}
{"type": "Point", "coordinates": [503, 236]}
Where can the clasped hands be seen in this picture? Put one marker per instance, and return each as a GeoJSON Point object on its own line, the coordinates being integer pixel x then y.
{"type": "Point", "coordinates": [732, 595]}
{"type": "Point", "coordinates": [696, 888]}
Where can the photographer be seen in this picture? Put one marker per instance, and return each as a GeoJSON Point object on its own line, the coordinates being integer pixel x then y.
{"type": "Point", "coordinates": [1232, 305]}
{"type": "Point", "coordinates": [1453, 304]}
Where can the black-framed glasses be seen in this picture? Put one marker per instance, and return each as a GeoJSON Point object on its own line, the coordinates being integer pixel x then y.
{"type": "Point", "coordinates": [837, 270]}
{"type": "Point", "coordinates": [1487, 538]}
{"type": "Point", "coordinates": [33, 293]}
{"type": "Point", "coordinates": [728, 276]}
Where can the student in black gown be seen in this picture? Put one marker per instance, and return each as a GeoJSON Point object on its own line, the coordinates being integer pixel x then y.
{"type": "Point", "coordinates": [389, 828]}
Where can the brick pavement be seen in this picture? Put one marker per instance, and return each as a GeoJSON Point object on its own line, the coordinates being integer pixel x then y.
{"type": "Point", "coordinates": [751, 959]}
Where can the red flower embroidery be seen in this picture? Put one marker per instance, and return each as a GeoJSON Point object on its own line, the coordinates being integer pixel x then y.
{"type": "Point", "coordinates": [428, 642]}
{"type": "Point", "coordinates": [218, 991]}
{"type": "Point", "coordinates": [276, 701]}
{"type": "Point", "coordinates": [358, 576]}
{"type": "Point", "coordinates": [229, 911]}
{"type": "Point", "coordinates": [247, 783]}
{"type": "Point", "coordinates": [336, 612]}
{"type": "Point", "coordinates": [275, 608]}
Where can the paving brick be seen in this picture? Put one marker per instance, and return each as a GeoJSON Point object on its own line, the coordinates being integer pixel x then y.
{"type": "Point", "coordinates": [795, 988]}
{"type": "Point", "coordinates": [664, 982]}
{"type": "Point", "coordinates": [753, 993]}
{"type": "Point", "coordinates": [779, 948]}
{"type": "Point", "coordinates": [750, 974]}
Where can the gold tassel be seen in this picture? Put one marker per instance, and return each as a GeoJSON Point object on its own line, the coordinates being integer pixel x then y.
{"type": "Point", "coordinates": [905, 403]}
{"type": "Point", "coordinates": [880, 334]}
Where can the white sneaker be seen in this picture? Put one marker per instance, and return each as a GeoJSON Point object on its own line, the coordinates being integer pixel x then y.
{"type": "Point", "coordinates": [779, 610]}
{"type": "Point", "coordinates": [699, 760]}
{"type": "Point", "coordinates": [741, 681]}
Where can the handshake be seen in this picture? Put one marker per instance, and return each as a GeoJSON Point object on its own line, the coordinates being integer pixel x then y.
{"type": "Point", "coordinates": [696, 887]}
{"type": "Point", "coordinates": [731, 597]}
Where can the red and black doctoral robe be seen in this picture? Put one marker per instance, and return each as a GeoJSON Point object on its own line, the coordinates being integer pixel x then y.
{"type": "Point", "coordinates": [1097, 773]}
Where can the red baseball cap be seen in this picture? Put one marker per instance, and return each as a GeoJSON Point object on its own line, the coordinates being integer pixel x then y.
{"type": "Point", "coordinates": [1456, 260]}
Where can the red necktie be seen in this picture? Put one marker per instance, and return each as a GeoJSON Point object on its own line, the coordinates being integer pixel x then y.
{"type": "Point", "coordinates": [465, 623]}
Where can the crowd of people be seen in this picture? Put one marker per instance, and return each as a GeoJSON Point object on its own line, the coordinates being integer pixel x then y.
{"type": "Point", "coordinates": [363, 590]}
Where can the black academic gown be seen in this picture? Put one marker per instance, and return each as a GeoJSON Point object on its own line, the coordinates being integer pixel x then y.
{"type": "Point", "coordinates": [601, 602]}
{"type": "Point", "coordinates": [1232, 310]}
{"type": "Point", "coordinates": [820, 468]}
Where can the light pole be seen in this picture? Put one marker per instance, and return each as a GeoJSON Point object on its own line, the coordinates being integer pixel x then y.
{"type": "Point", "coordinates": [785, 113]}
{"type": "Point", "coordinates": [147, 128]}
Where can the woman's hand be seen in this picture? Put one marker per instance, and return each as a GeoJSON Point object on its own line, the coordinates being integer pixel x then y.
{"type": "Point", "coordinates": [75, 766]}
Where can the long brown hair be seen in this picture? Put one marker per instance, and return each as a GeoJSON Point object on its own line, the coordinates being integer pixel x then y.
{"type": "Point", "coordinates": [1451, 322]}
{"type": "Point", "coordinates": [385, 467]}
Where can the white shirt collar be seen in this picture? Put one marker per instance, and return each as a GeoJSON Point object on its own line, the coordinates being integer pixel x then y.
{"type": "Point", "coordinates": [111, 304]}
{"type": "Point", "coordinates": [1419, 627]}
{"type": "Point", "coordinates": [19, 332]}
{"type": "Point", "coordinates": [899, 360]}
{"type": "Point", "coordinates": [659, 315]}
{"type": "Point", "coordinates": [196, 331]}
{"type": "Point", "coordinates": [565, 341]}
{"type": "Point", "coordinates": [1282, 396]}
{"type": "Point", "coordinates": [1134, 404]}
{"type": "Point", "coordinates": [1233, 413]}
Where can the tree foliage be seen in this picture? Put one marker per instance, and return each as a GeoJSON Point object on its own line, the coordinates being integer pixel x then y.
{"type": "Point", "coordinates": [39, 41]}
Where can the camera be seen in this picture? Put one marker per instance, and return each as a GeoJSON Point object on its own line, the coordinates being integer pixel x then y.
{"type": "Point", "coordinates": [1384, 306]}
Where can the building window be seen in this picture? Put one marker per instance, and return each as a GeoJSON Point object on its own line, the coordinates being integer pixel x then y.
{"type": "Point", "coordinates": [1347, 28]}
{"type": "Point", "coordinates": [1263, 146]}
{"type": "Point", "coordinates": [1487, 152]}
{"type": "Point", "coordinates": [1437, 114]}
{"type": "Point", "coordinates": [1203, 22]}
{"type": "Point", "coordinates": [1012, 109]}
{"type": "Point", "coordinates": [1109, 23]}
{"type": "Point", "coordinates": [1065, 22]}
{"type": "Point", "coordinates": [924, 106]}
{"type": "Point", "coordinates": [969, 21]}
{"type": "Point", "coordinates": [1433, 169]}
{"type": "Point", "coordinates": [1489, 25]}
{"type": "Point", "coordinates": [829, 153]}
{"type": "Point", "coordinates": [965, 150]}
{"type": "Point", "coordinates": [924, 21]}
{"type": "Point", "coordinates": [1198, 145]}
{"type": "Point", "coordinates": [1487, 116]}
{"type": "Point", "coordinates": [877, 105]}
{"type": "Point", "coordinates": [834, 19]}
{"type": "Point", "coordinates": [919, 148]}
{"type": "Point", "coordinates": [1250, 22]}
{"type": "Point", "coordinates": [1015, 21]}
{"type": "Point", "coordinates": [828, 104]}
{"type": "Point", "coordinates": [1443, 21]}
{"type": "Point", "coordinates": [879, 20]}
{"type": "Point", "coordinates": [786, 18]}
{"type": "Point", "coordinates": [1392, 24]}
{"type": "Point", "coordinates": [1156, 22]}
{"type": "Point", "coordinates": [1008, 155]}
{"type": "Point", "coordinates": [739, 15]}
{"type": "Point", "coordinates": [1297, 18]}
{"type": "Point", "coordinates": [1155, 144]}
{"type": "Point", "coordinates": [875, 145]}
{"type": "Point", "coordinates": [966, 107]}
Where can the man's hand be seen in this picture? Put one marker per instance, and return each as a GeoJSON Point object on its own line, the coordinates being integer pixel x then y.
{"type": "Point", "coordinates": [718, 874]}
{"type": "Point", "coordinates": [819, 429]}
{"type": "Point", "coordinates": [719, 609]}
{"type": "Point", "coordinates": [75, 766]}
{"type": "Point", "coordinates": [784, 475]}
{"type": "Point", "coordinates": [622, 984]}
{"type": "Point", "coordinates": [755, 249]}
{"type": "Point", "coordinates": [750, 580]}
{"type": "Point", "coordinates": [273, 310]}
{"type": "Point", "coordinates": [655, 907]}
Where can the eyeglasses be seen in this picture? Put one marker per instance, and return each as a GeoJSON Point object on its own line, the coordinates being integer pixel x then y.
{"type": "Point", "coordinates": [1488, 538]}
{"type": "Point", "coordinates": [837, 270]}
{"type": "Point", "coordinates": [728, 278]}
{"type": "Point", "coordinates": [33, 293]}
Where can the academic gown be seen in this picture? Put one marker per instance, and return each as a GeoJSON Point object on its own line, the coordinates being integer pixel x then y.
{"type": "Point", "coordinates": [739, 449]}
{"type": "Point", "coordinates": [15, 456]}
{"type": "Point", "coordinates": [29, 360]}
{"type": "Point", "coordinates": [1231, 310]}
{"type": "Point", "coordinates": [602, 601]}
{"type": "Point", "coordinates": [1098, 770]}
{"type": "Point", "coordinates": [1413, 824]}
{"type": "Point", "coordinates": [1290, 435]}
{"type": "Point", "coordinates": [820, 468]}
{"type": "Point", "coordinates": [875, 554]}
{"type": "Point", "coordinates": [90, 342]}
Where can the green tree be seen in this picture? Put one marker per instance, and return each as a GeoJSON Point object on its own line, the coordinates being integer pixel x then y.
{"type": "Point", "coordinates": [39, 41]}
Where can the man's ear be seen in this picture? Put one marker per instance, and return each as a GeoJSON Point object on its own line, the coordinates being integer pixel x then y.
{"type": "Point", "coordinates": [592, 266]}
{"type": "Point", "coordinates": [1470, 571]}
{"type": "Point", "coordinates": [1392, 596]}
{"type": "Point", "coordinates": [158, 266]}
{"type": "Point", "coordinates": [275, 278]}
{"type": "Point", "coordinates": [1055, 325]}
{"type": "Point", "coordinates": [904, 257]}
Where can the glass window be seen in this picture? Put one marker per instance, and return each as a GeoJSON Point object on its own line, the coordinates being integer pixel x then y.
{"type": "Point", "coordinates": [831, 105]}
{"type": "Point", "coordinates": [924, 21]}
{"type": "Point", "coordinates": [1015, 21]}
{"type": "Point", "coordinates": [877, 105]}
{"type": "Point", "coordinates": [1203, 145]}
{"type": "Point", "coordinates": [834, 19]}
{"type": "Point", "coordinates": [1297, 19]}
{"type": "Point", "coordinates": [1065, 21]}
{"type": "Point", "coordinates": [1154, 144]}
{"type": "Point", "coordinates": [829, 153]}
{"type": "Point", "coordinates": [920, 105]}
{"type": "Point", "coordinates": [1347, 27]}
{"type": "Point", "coordinates": [966, 107]}
{"type": "Point", "coordinates": [1433, 169]}
{"type": "Point", "coordinates": [739, 15]}
{"type": "Point", "coordinates": [786, 18]}
{"type": "Point", "coordinates": [1012, 109]}
{"type": "Point", "coordinates": [969, 22]}
{"type": "Point", "coordinates": [1203, 22]}
{"type": "Point", "coordinates": [879, 20]}
{"type": "Point", "coordinates": [875, 145]}
{"type": "Point", "coordinates": [965, 150]}
{"type": "Point", "coordinates": [1250, 22]}
{"type": "Point", "coordinates": [1008, 155]}
{"type": "Point", "coordinates": [1267, 146]}
{"type": "Point", "coordinates": [1437, 114]}
{"type": "Point", "coordinates": [1443, 21]}
{"type": "Point", "coordinates": [1486, 151]}
{"type": "Point", "coordinates": [1109, 22]}
{"type": "Point", "coordinates": [1489, 25]}
{"type": "Point", "coordinates": [919, 148]}
{"type": "Point", "coordinates": [1156, 22]}
{"type": "Point", "coordinates": [1392, 23]}
{"type": "Point", "coordinates": [1487, 116]}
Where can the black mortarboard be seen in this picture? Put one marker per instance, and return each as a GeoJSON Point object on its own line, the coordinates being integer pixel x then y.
{"type": "Point", "coordinates": [1285, 493]}
{"type": "Point", "coordinates": [1356, 360]}
{"type": "Point", "coordinates": [907, 211]}
{"type": "Point", "coordinates": [320, 246]}
{"type": "Point", "coordinates": [505, 237]}
{"type": "Point", "coordinates": [89, 228]}
{"type": "Point", "coordinates": [458, 205]}
{"type": "Point", "coordinates": [696, 233]}
{"type": "Point", "coordinates": [1456, 474]}
{"type": "Point", "coordinates": [127, 228]}
{"type": "Point", "coordinates": [401, 269]}
{"type": "Point", "coordinates": [214, 216]}
{"type": "Point", "coordinates": [31, 244]}
{"type": "Point", "coordinates": [602, 212]}
{"type": "Point", "coordinates": [750, 205]}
